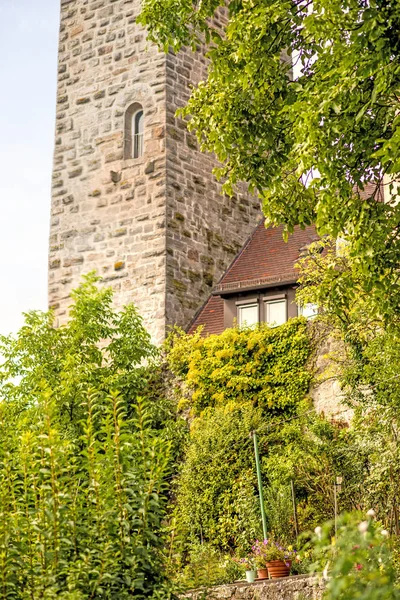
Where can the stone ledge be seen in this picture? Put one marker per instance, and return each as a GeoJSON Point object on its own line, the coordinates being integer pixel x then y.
{"type": "Point", "coordinates": [295, 587]}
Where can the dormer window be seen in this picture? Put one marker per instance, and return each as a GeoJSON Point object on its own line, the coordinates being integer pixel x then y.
{"type": "Point", "coordinates": [134, 131]}
{"type": "Point", "coordinates": [275, 311]}
{"type": "Point", "coordinates": [248, 313]}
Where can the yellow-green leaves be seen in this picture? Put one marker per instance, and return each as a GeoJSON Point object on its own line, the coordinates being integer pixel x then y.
{"type": "Point", "coordinates": [339, 119]}
{"type": "Point", "coordinates": [263, 366]}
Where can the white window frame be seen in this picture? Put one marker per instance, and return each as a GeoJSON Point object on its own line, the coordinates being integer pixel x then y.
{"type": "Point", "coordinates": [249, 303]}
{"type": "Point", "coordinates": [134, 128]}
{"type": "Point", "coordinates": [137, 133]}
{"type": "Point", "coordinates": [300, 310]}
{"type": "Point", "coordinates": [268, 300]}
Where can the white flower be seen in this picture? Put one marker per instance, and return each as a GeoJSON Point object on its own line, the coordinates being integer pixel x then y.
{"type": "Point", "coordinates": [363, 526]}
{"type": "Point", "coordinates": [371, 513]}
{"type": "Point", "coordinates": [318, 532]}
{"type": "Point", "coordinates": [384, 533]}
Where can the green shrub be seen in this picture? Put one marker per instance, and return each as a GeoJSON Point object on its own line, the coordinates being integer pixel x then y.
{"type": "Point", "coordinates": [216, 499]}
{"type": "Point", "coordinates": [233, 384]}
{"type": "Point", "coordinates": [82, 520]}
{"type": "Point", "coordinates": [206, 566]}
{"type": "Point", "coordinates": [83, 468]}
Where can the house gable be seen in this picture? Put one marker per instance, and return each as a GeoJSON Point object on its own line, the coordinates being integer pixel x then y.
{"type": "Point", "coordinates": [263, 269]}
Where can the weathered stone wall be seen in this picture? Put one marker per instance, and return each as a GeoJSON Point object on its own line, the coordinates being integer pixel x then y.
{"type": "Point", "coordinates": [205, 230]}
{"type": "Point", "coordinates": [108, 213]}
{"type": "Point", "coordinates": [298, 587]}
{"type": "Point", "coordinates": [326, 392]}
{"type": "Point", "coordinates": [156, 228]}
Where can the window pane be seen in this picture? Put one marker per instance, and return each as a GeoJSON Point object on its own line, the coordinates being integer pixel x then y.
{"type": "Point", "coordinates": [309, 311]}
{"type": "Point", "coordinates": [137, 133]}
{"type": "Point", "coordinates": [139, 122]}
{"type": "Point", "coordinates": [248, 315]}
{"type": "Point", "coordinates": [276, 312]}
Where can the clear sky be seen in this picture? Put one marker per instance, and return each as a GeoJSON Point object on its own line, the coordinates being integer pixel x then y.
{"type": "Point", "coordinates": [28, 67]}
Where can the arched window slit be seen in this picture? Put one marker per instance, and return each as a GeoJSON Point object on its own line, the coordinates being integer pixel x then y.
{"type": "Point", "coordinates": [134, 131]}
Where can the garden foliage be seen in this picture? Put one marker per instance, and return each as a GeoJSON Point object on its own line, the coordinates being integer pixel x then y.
{"type": "Point", "coordinates": [82, 519]}
{"type": "Point", "coordinates": [308, 144]}
{"type": "Point", "coordinates": [231, 384]}
{"type": "Point", "coordinates": [265, 367]}
{"type": "Point", "coordinates": [99, 348]}
{"type": "Point", "coordinates": [367, 365]}
{"type": "Point", "coordinates": [83, 467]}
{"type": "Point", "coordinates": [359, 563]}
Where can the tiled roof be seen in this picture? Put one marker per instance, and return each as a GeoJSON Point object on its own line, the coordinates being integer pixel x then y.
{"type": "Point", "coordinates": [266, 256]}
{"type": "Point", "coordinates": [265, 260]}
{"type": "Point", "coordinates": [211, 316]}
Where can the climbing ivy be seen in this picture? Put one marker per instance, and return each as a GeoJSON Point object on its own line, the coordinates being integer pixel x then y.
{"type": "Point", "coordinates": [264, 366]}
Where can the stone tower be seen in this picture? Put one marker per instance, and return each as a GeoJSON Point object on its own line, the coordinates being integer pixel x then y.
{"type": "Point", "coordinates": [133, 198]}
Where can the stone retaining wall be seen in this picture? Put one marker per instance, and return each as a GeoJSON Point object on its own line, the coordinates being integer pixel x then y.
{"type": "Point", "coordinates": [297, 587]}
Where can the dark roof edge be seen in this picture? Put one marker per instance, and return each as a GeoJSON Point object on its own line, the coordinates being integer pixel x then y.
{"type": "Point", "coordinates": [245, 286]}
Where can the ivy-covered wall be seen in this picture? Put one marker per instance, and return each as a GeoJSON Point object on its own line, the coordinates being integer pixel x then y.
{"type": "Point", "coordinates": [264, 366]}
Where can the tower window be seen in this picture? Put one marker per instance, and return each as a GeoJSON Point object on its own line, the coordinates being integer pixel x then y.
{"type": "Point", "coordinates": [134, 131]}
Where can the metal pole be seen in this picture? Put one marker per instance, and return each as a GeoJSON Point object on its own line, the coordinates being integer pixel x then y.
{"type": "Point", "coordinates": [336, 508]}
{"type": "Point", "coordinates": [296, 523]}
{"type": "Point", "coordinates": [260, 487]}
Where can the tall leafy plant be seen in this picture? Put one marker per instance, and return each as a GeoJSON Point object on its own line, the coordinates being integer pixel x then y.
{"type": "Point", "coordinates": [83, 467]}
{"type": "Point", "coordinates": [98, 348]}
{"type": "Point", "coordinates": [83, 520]}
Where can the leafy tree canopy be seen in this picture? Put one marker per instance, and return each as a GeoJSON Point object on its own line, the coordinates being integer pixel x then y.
{"type": "Point", "coordinates": [309, 144]}
{"type": "Point", "coordinates": [98, 348]}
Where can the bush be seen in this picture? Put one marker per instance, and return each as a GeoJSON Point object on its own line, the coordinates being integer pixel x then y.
{"type": "Point", "coordinates": [264, 366]}
{"type": "Point", "coordinates": [233, 384]}
{"type": "Point", "coordinates": [216, 496]}
{"type": "Point", "coordinates": [359, 563]}
{"type": "Point", "coordinates": [206, 566]}
{"type": "Point", "coordinates": [82, 520]}
{"type": "Point", "coordinates": [83, 468]}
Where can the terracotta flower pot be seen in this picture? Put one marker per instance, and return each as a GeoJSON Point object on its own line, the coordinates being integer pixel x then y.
{"type": "Point", "coordinates": [279, 568]}
{"type": "Point", "coordinates": [262, 573]}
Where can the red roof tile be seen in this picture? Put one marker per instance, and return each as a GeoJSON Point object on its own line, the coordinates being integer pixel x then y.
{"type": "Point", "coordinates": [211, 316]}
{"type": "Point", "coordinates": [267, 256]}
{"type": "Point", "coordinates": [266, 259]}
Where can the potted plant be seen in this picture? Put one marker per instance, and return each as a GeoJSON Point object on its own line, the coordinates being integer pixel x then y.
{"type": "Point", "coordinates": [272, 559]}
{"type": "Point", "coordinates": [258, 549]}
{"type": "Point", "coordinates": [278, 559]}
{"type": "Point", "coordinates": [249, 566]}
